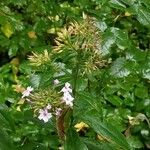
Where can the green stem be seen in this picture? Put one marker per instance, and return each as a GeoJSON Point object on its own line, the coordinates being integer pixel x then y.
{"type": "Point", "coordinates": [75, 76]}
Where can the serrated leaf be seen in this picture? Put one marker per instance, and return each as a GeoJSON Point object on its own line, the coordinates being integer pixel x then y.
{"type": "Point", "coordinates": [114, 36]}
{"type": "Point", "coordinates": [101, 25]}
{"type": "Point", "coordinates": [143, 16]}
{"type": "Point", "coordinates": [35, 80]}
{"type": "Point", "coordinates": [121, 38]}
{"type": "Point", "coordinates": [108, 41]}
{"type": "Point", "coordinates": [117, 4]}
{"type": "Point", "coordinates": [118, 68]}
{"type": "Point", "coordinates": [107, 44]}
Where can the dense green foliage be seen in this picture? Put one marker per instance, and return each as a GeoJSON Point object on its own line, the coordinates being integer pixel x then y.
{"type": "Point", "coordinates": [101, 47]}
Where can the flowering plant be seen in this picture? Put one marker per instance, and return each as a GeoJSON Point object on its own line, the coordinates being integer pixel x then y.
{"type": "Point", "coordinates": [61, 102]}
{"type": "Point", "coordinates": [74, 74]}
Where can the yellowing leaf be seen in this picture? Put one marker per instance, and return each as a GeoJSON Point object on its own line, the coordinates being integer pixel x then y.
{"type": "Point", "coordinates": [7, 29]}
{"type": "Point", "coordinates": [18, 88]}
{"type": "Point", "coordinates": [51, 31]}
{"type": "Point", "coordinates": [80, 126]}
{"type": "Point", "coordinates": [15, 61]}
{"type": "Point", "coordinates": [103, 138]}
{"type": "Point", "coordinates": [56, 18]}
{"type": "Point", "coordinates": [32, 35]}
{"type": "Point", "coordinates": [18, 108]}
{"type": "Point", "coordinates": [127, 14]}
{"type": "Point", "coordinates": [21, 102]}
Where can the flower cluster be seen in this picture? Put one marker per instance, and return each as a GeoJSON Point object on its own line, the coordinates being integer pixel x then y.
{"type": "Point", "coordinates": [67, 97]}
{"type": "Point", "coordinates": [47, 103]}
{"type": "Point", "coordinates": [46, 115]}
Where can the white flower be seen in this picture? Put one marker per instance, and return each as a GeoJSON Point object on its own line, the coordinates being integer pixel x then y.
{"type": "Point", "coordinates": [68, 99]}
{"type": "Point", "coordinates": [66, 88]}
{"type": "Point", "coordinates": [48, 107]}
{"type": "Point", "coordinates": [27, 92]}
{"type": "Point", "coordinates": [56, 81]}
{"type": "Point", "coordinates": [44, 115]}
{"type": "Point", "coordinates": [58, 111]}
{"type": "Point", "coordinates": [69, 103]}
{"type": "Point", "coordinates": [67, 85]}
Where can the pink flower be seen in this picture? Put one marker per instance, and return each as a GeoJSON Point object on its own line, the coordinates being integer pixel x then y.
{"type": "Point", "coordinates": [44, 115]}
{"type": "Point", "coordinates": [66, 88]}
{"type": "Point", "coordinates": [68, 99]}
{"type": "Point", "coordinates": [27, 92]}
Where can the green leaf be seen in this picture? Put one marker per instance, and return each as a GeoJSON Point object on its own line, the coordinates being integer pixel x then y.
{"type": "Point", "coordinates": [146, 2]}
{"type": "Point", "coordinates": [35, 80]}
{"type": "Point", "coordinates": [92, 103]}
{"type": "Point", "coordinates": [73, 141]}
{"type": "Point", "coordinates": [5, 141]}
{"type": "Point", "coordinates": [91, 114]}
{"type": "Point", "coordinates": [98, 145]}
{"type": "Point", "coordinates": [6, 123]}
{"type": "Point", "coordinates": [146, 74]}
{"type": "Point", "coordinates": [108, 41]}
{"type": "Point", "coordinates": [117, 4]}
{"type": "Point", "coordinates": [143, 16]}
{"type": "Point", "coordinates": [141, 92]}
{"type": "Point", "coordinates": [121, 38]}
{"type": "Point", "coordinates": [13, 51]}
{"type": "Point", "coordinates": [114, 36]}
{"type": "Point", "coordinates": [101, 25]}
{"type": "Point", "coordinates": [6, 119]}
{"type": "Point", "coordinates": [118, 68]}
{"type": "Point", "coordinates": [115, 100]}
{"type": "Point", "coordinates": [81, 84]}
{"type": "Point", "coordinates": [135, 142]}
{"type": "Point", "coordinates": [107, 130]}
{"type": "Point", "coordinates": [7, 29]}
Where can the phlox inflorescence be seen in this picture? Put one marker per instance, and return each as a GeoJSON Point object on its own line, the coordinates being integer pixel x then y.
{"type": "Point", "coordinates": [49, 103]}
{"type": "Point", "coordinates": [67, 97]}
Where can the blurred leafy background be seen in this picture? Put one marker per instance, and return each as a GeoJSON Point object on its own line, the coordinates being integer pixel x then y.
{"type": "Point", "coordinates": [120, 91]}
